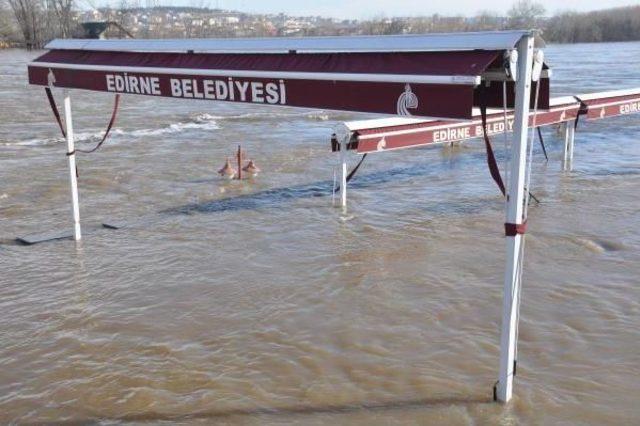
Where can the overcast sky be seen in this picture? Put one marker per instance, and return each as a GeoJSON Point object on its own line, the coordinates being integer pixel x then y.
{"type": "Point", "coordinates": [361, 9]}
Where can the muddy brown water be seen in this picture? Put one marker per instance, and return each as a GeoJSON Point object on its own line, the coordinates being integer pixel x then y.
{"type": "Point", "coordinates": [257, 302]}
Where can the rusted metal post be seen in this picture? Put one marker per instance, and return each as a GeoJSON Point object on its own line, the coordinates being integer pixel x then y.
{"type": "Point", "coordinates": [239, 155]}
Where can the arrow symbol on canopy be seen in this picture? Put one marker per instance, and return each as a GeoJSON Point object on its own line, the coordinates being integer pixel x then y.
{"type": "Point", "coordinates": [51, 78]}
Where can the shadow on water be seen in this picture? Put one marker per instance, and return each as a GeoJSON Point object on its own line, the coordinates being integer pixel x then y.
{"type": "Point", "coordinates": [276, 196]}
{"type": "Point", "coordinates": [380, 407]}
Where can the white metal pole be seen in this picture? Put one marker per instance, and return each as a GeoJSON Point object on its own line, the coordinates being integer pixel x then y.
{"type": "Point", "coordinates": [515, 210]}
{"type": "Point", "coordinates": [73, 179]}
{"type": "Point", "coordinates": [343, 163]}
{"type": "Point", "coordinates": [565, 157]}
{"type": "Point", "coordinates": [572, 139]}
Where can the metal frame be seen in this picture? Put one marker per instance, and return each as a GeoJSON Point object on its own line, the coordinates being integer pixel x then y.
{"type": "Point", "coordinates": [485, 40]}
{"type": "Point", "coordinates": [515, 206]}
{"type": "Point", "coordinates": [515, 214]}
{"type": "Point", "coordinates": [517, 188]}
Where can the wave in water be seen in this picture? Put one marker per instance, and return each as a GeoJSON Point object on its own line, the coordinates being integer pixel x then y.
{"type": "Point", "coordinates": [88, 137]}
{"type": "Point", "coordinates": [202, 121]}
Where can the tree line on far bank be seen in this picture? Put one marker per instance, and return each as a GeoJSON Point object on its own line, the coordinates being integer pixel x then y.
{"type": "Point", "coordinates": [620, 24]}
{"type": "Point", "coordinates": [32, 23]}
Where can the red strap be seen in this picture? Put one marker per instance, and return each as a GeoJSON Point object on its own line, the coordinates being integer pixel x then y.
{"type": "Point", "coordinates": [513, 229]}
{"type": "Point", "coordinates": [114, 115]}
{"type": "Point", "coordinates": [491, 158]}
{"type": "Point", "coordinates": [54, 108]}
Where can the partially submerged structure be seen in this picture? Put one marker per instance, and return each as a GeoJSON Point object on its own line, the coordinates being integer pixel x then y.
{"type": "Point", "coordinates": [390, 134]}
{"type": "Point", "coordinates": [477, 79]}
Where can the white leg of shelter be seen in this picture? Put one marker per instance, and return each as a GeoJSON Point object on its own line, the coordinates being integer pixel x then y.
{"type": "Point", "coordinates": [565, 156]}
{"type": "Point", "coordinates": [343, 170]}
{"type": "Point", "coordinates": [73, 179]}
{"type": "Point", "coordinates": [515, 210]}
{"type": "Point", "coordinates": [571, 136]}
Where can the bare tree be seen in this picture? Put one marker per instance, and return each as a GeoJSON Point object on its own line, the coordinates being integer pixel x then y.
{"type": "Point", "coordinates": [28, 15]}
{"type": "Point", "coordinates": [123, 16]}
{"type": "Point", "coordinates": [6, 23]}
{"type": "Point", "coordinates": [525, 14]}
{"type": "Point", "coordinates": [187, 21]}
{"type": "Point", "coordinates": [62, 10]}
{"type": "Point", "coordinates": [487, 20]}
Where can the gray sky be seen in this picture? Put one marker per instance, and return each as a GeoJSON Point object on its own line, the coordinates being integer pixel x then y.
{"type": "Point", "coordinates": [360, 9]}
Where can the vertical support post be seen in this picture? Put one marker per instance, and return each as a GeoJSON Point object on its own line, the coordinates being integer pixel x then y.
{"type": "Point", "coordinates": [571, 136]}
{"type": "Point", "coordinates": [565, 157]}
{"type": "Point", "coordinates": [514, 215]}
{"type": "Point", "coordinates": [73, 178]}
{"type": "Point", "coordinates": [239, 158]}
{"type": "Point", "coordinates": [343, 169]}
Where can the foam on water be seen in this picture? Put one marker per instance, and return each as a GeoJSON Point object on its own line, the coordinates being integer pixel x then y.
{"type": "Point", "coordinates": [199, 122]}
{"type": "Point", "coordinates": [119, 134]}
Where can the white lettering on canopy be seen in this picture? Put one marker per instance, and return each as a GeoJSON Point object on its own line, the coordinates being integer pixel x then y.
{"type": "Point", "coordinates": [451, 134]}
{"type": "Point", "coordinates": [470, 131]}
{"type": "Point", "coordinates": [243, 91]}
{"type": "Point", "coordinates": [133, 84]}
{"type": "Point", "coordinates": [495, 128]}
{"type": "Point", "coordinates": [630, 108]}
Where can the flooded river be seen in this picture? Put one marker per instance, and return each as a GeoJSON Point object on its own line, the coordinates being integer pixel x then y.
{"type": "Point", "coordinates": [257, 302]}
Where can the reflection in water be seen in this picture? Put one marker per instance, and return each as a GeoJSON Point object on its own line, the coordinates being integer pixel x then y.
{"type": "Point", "coordinates": [285, 413]}
{"type": "Point", "coordinates": [257, 302]}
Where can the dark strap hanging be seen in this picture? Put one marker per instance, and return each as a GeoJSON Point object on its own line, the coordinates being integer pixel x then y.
{"type": "Point", "coordinates": [353, 172]}
{"type": "Point", "coordinates": [114, 114]}
{"type": "Point", "coordinates": [54, 109]}
{"type": "Point", "coordinates": [112, 121]}
{"type": "Point", "coordinates": [355, 169]}
{"type": "Point", "coordinates": [491, 158]}
{"type": "Point", "coordinates": [544, 149]}
{"type": "Point", "coordinates": [583, 110]}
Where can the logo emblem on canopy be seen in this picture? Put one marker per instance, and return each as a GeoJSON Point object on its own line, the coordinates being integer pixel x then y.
{"type": "Point", "coordinates": [407, 100]}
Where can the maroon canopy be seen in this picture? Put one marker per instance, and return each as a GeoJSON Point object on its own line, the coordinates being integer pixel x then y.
{"type": "Point", "coordinates": [398, 133]}
{"type": "Point", "coordinates": [431, 75]}
{"type": "Point", "coordinates": [609, 104]}
{"type": "Point", "coordinates": [391, 134]}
